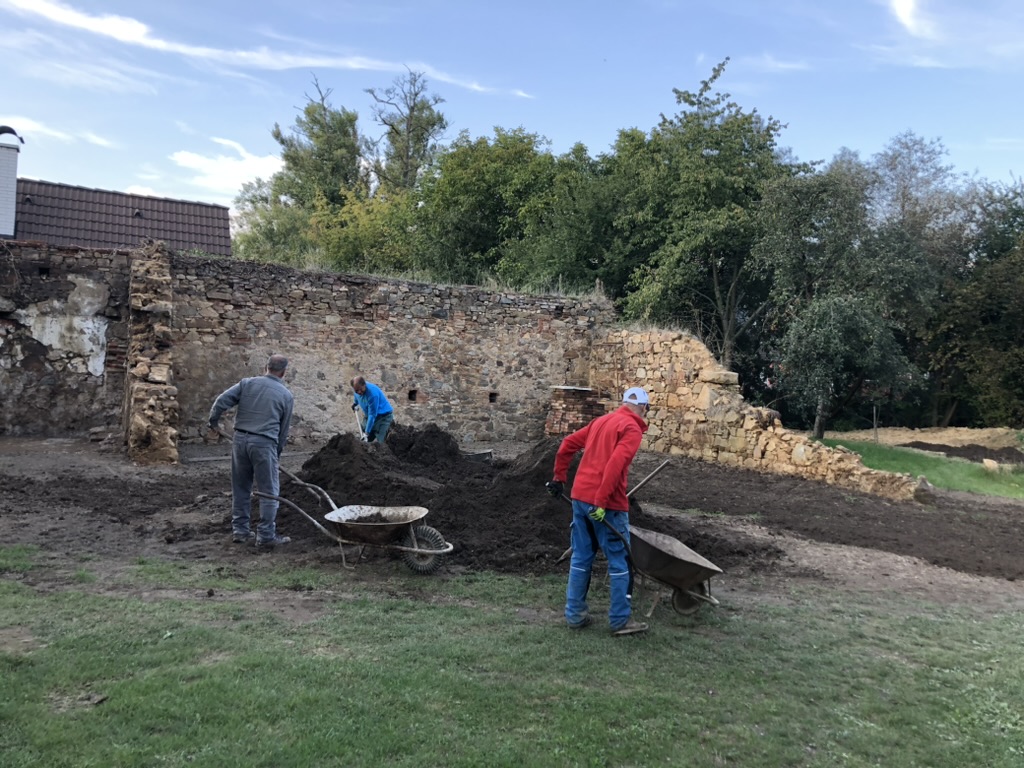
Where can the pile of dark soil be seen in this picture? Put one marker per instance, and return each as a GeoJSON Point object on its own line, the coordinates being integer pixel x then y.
{"type": "Point", "coordinates": [497, 515]}
{"type": "Point", "coordinates": [974, 453]}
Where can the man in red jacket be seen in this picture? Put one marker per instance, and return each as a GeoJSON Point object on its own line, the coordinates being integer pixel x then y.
{"type": "Point", "coordinates": [600, 508]}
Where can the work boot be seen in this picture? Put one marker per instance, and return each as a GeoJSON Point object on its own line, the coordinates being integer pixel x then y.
{"type": "Point", "coordinates": [243, 538]}
{"type": "Point", "coordinates": [274, 542]}
{"type": "Point", "coordinates": [584, 622]}
{"type": "Point", "coordinates": [630, 628]}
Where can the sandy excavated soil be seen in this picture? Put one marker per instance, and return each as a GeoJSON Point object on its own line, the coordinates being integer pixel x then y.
{"type": "Point", "coordinates": [995, 438]}
{"type": "Point", "coordinates": [78, 503]}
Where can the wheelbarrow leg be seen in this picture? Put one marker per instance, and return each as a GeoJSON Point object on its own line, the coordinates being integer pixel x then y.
{"type": "Point", "coordinates": [344, 563]}
{"type": "Point", "coordinates": [641, 582]}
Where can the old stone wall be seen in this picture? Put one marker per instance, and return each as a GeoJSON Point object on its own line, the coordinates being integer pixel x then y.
{"type": "Point", "coordinates": [150, 417]}
{"type": "Point", "coordinates": [478, 362]}
{"type": "Point", "coordinates": [697, 411]}
{"type": "Point", "coordinates": [63, 336]}
{"type": "Point", "coordinates": [141, 344]}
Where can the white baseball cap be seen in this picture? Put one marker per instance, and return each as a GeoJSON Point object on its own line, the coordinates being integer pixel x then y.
{"type": "Point", "coordinates": [635, 396]}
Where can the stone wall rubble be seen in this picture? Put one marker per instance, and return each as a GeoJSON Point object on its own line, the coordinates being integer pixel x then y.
{"type": "Point", "coordinates": [697, 411]}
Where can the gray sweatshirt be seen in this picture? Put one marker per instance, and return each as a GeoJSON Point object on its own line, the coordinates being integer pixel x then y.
{"type": "Point", "coordinates": [264, 408]}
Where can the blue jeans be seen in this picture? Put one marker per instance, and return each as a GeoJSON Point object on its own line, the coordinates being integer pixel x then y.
{"type": "Point", "coordinates": [254, 457]}
{"type": "Point", "coordinates": [587, 535]}
{"type": "Point", "coordinates": [381, 425]}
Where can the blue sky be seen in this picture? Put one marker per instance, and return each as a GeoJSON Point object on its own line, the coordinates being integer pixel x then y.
{"type": "Point", "coordinates": [177, 99]}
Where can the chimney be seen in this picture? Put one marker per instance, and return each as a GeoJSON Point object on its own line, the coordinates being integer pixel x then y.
{"type": "Point", "coordinates": [8, 188]}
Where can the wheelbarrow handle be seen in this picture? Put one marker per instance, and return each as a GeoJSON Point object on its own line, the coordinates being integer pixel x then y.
{"type": "Point", "coordinates": [316, 490]}
{"type": "Point", "coordinates": [302, 512]}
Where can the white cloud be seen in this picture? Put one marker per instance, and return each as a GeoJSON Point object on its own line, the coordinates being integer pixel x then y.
{"type": "Point", "coordinates": [29, 128]}
{"type": "Point", "coordinates": [908, 13]}
{"type": "Point", "coordinates": [136, 189]}
{"type": "Point", "coordinates": [149, 172]}
{"type": "Point", "coordinates": [224, 174]}
{"type": "Point", "coordinates": [73, 64]}
{"type": "Point", "coordinates": [768, 63]}
{"type": "Point", "coordinates": [88, 76]}
{"type": "Point", "coordinates": [99, 141]}
{"type": "Point", "coordinates": [985, 34]}
{"type": "Point", "coordinates": [132, 32]}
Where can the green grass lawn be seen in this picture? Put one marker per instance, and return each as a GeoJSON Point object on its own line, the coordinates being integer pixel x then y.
{"type": "Point", "coordinates": [477, 670]}
{"type": "Point", "coordinates": [951, 473]}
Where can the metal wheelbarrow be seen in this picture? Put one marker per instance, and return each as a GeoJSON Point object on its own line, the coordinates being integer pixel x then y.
{"type": "Point", "coordinates": [396, 528]}
{"type": "Point", "coordinates": [663, 559]}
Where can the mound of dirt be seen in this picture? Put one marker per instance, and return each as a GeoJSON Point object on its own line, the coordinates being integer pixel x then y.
{"type": "Point", "coordinates": [974, 453]}
{"type": "Point", "coordinates": [992, 437]}
{"type": "Point", "coordinates": [497, 515]}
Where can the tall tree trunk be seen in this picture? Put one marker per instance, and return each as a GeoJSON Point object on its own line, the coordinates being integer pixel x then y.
{"type": "Point", "coordinates": [948, 415]}
{"type": "Point", "coordinates": [820, 417]}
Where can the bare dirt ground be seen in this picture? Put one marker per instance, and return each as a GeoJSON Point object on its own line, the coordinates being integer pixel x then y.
{"type": "Point", "coordinates": [86, 508]}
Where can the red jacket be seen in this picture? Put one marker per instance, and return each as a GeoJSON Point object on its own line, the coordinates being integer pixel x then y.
{"type": "Point", "coordinates": [609, 444]}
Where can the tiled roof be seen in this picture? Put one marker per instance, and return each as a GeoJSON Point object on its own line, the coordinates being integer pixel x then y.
{"type": "Point", "coordinates": [60, 214]}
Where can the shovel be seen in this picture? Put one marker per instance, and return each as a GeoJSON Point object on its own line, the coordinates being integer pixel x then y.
{"type": "Point", "coordinates": [359, 424]}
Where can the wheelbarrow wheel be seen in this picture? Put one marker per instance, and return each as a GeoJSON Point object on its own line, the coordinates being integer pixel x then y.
{"type": "Point", "coordinates": [684, 604]}
{"type": "Point", "coordinates": [425, 538]}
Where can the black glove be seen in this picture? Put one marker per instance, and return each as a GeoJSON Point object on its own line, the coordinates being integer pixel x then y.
{"type": "Point", "coordinates": [354, 406]}
{"type": "Point", "coordinates": [554, 488]}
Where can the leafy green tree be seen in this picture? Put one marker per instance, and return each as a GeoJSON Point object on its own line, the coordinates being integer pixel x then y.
{"type": "Point", "coordinates": [566, 228]}
{"type": "Point", "coordinates": [413, 129]}
{"type": "Point", "coordinates": [988, 318]}
{"type": "Point", "coordinates": [322, 154]}
{"type": "Point", "coordinates": [299, 216]}
{"type": "Point", "coordinates": [472, 201]}
{"type": "Point", "coordinates": [268, 229]}
{"type": "Point", "coordinates": [838, 344]}
{"type": "Point", "coordinates": [372, 234]}
{"type": "Point", "coordinates": [823, 257]}
{"type": "Point", "coordinates": [925, 216]}
{"type": "Point", "coordinates": [639, 187]}
{"type": "Point", "coordinates": [976, 344]}
{"type": "Point", "coordinates": [710, 165]}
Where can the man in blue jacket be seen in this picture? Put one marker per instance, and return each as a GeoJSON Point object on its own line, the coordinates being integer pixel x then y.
{"type": "Point", "coordinates": [261, 432]}
{"type": "Point", "coordinates": [379, 413]}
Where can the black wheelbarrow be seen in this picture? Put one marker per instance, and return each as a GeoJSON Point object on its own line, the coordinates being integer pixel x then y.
{"type": "Point", "coordinates": [396, 528]}
{"type": "Point", "coordinates": [663, 559]}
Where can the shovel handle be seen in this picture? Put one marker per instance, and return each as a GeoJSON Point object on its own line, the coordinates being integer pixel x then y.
{"type": "Point", "coordinates": [643, 482]}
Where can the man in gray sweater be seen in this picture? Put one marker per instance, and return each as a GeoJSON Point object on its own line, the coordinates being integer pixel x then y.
{"type": "Point", "coordinates": [261, 431]}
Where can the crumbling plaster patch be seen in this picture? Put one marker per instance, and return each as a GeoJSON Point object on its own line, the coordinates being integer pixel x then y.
{"type": "Point", "coordinates": [74, 328]}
